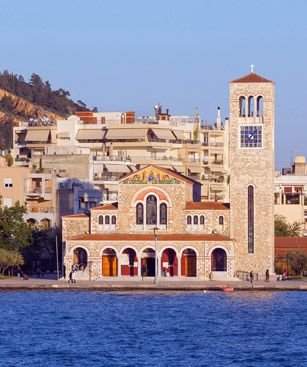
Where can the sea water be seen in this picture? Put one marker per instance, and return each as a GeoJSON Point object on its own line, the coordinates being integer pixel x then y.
{"type": "Point", "coordinates": [72, 328]}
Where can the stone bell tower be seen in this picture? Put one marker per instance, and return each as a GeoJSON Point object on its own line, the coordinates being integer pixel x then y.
{"type": "Point", "coordinates": [251, 160]}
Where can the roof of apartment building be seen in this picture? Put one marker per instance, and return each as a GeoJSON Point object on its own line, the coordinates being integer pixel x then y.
{"type": "Point", "coordinates": [284, 245]}
{"type": "Point", "coordinates": [148, 237]}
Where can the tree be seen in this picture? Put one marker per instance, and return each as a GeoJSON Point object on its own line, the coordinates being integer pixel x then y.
{"type": "Point", "coordinates": [285, 229]}
{"type": "Point", "coordinates": [14, 231]}
{"type": "Point", "coordinates": [9, 259]}
{"type": "Point", "coordinates": [298, 261]}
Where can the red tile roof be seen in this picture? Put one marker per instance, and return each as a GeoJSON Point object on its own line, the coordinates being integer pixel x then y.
{"type": "Point", "coordinates": [251, 78]}
{"type": "Point", "coordinates": [148, 237]}
{"type": "Point", "coordinates": [113, 206]}
{"type": "Point", "coordinates": [206, 205]}
{"type": "Point", "coordinates": [76, 216]}
{"type": "Point", "coordinates": [283, 245]}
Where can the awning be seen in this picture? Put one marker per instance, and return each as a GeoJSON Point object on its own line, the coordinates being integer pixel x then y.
{"type": "Point", "coordinates": [134, 169]}
{"type": "Point", "coordinates": [179, 169]}
{"type": "Point", "coordinates": [126, 134]}
{"type": "Point", "coordinates": [62, 135]}
{"type": "Point", "coordinates": [117, 168]}
{"type": "Point", "coordinates": [163, 134]}
{"type": "Point", "coordinates": [179, 135]}
{"type": "Point", "coordinates": [195, 169]}
{"type": "Point", "coordinates": [90, 134]}
{"type": "Point", "coordinates": [37, 135]}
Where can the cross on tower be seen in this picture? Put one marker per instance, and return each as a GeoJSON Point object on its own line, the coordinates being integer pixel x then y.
{"type": "Point", "coordinates": [252, 66]}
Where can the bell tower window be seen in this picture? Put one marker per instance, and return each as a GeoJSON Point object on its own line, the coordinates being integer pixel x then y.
{"type": "Point", "coordinates": [260, 106]}
{"type": "Point", "coordinates": [251, 106]}
{"type": "Point", "coordinates": [250, 218]}
{"type": "Point", "coordinates": [242, 107]}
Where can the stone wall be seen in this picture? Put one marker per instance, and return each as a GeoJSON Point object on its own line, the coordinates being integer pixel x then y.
{"type": "Point", "coordinates": [74, 226]}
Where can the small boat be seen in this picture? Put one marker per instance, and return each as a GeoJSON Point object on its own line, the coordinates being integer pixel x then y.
{"type": "Point", "coordinates": [228, 289]}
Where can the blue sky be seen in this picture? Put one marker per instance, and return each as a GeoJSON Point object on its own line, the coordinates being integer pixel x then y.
{"type": "Point", "coordinates": [129, 55]}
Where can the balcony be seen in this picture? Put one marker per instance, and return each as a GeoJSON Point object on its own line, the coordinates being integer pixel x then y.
{"type": "Point", "coordinates": [112, 158]}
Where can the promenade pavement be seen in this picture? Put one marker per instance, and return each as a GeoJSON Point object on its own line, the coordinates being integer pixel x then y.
{"type": "Point", "coordinates": [163, 284]}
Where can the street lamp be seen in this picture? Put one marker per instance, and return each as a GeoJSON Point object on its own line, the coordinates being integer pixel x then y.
{"type": "Point", "coordinates": [155, 229]}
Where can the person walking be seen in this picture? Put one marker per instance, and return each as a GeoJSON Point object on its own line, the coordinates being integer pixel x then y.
{"type": "Point", "coordinates": [70, 277]}
{"type": "Point", "coordinates": [267, 275]}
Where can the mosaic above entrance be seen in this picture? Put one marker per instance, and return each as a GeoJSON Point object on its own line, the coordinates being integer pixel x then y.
{"type": "Point", "coordinates": [151, 176]}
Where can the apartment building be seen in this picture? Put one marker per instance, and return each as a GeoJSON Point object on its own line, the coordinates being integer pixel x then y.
{"type": "Point", "coordinates": [90, 152]}
{"type": "Point", "coordinates": [33, 187]}
{"type": "Point", "coordinates": [291, 193]}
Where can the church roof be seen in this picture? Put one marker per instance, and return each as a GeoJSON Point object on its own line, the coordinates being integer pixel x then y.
{"type": "Point", "coordinates": [251, 78]}
{"type": "Point", "coordinates": [76, 216]}
{"type": "Point", "coordinates": [113, 206]}
{"type": "Point", "coordinates": [206, 205]}
{"type": "Point", "coordinates": [148, 237]}
{"type": "Point", "coordinates": [170, 172]}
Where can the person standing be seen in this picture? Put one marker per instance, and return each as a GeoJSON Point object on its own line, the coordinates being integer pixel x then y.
{"type": "Point", "coordinates": [251, 277]}
{"type": "Point", "coordinates": [267, 275]}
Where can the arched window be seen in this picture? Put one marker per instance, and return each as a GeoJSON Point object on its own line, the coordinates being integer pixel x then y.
{"type": "Point", "coordinates": [202, 220]}
{"type": "Point", "coordinates": [221, 220]}
{"type": "Point", "coordinates": [113, 219]}
{"type": "Point", "coordinates": [100, 220]}
{"type": "Point", "coordinates": [195, 219]}
{"type": "Point", "coordinates": [242, 106]}
{"type": "Point", "coordinates": [151, 210]}
{"type": "Point", "coordinates": [189, 220]}
{"type": "Point", "coordinates": [250, 106]}
{"type": "Point", "coordinates": [250, 217]}
{"type": "Point", "coordinates": [163, 213]}
{"type": "Point", "coordinates": [107, 219]}
{"type": "Point", "coordinates": [139, 214]}
{"type": "Point", "coordinates": [260, 106]}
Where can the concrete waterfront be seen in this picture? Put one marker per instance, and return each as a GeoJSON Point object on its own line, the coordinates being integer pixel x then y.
{"type": "Point", "coordinates": [138, 285]}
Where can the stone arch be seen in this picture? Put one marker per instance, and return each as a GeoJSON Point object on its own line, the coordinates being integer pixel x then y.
{"type": "Point", "coordinates": [260, 106]}
{"type": "Point", "coordinates": [148, 261]}
{"type": "Point", "coordinates": [219, 259]}
{"type": "Point", "coordinates": [81, 246]}
{"type": "Point", "coordinates": [45, 223]}
{"type": "Point", "coordinates": [80, 257]}
{"type": "Point", "coordinates": [189, 262]}
{"type": "Point", "coordinates": [109, 262]}
{"type": "Point", "coordinates": [242, 106]}
{"type": "Point", "coordinates": [105, 247]}
{"type": "Point", "coordinates": [139, 196]}
{"type": "Point", "coordinates": [169, 261]}
{"type": "Point", "coordinates": [129, 261]}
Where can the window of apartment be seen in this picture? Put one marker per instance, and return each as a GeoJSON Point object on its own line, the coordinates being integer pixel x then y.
{"type": "Point", "coordinates": [8, 202]}
{"type": "Point", "coordinates": [8, 182]}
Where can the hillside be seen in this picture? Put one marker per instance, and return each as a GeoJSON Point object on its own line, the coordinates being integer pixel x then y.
{"type": "Point", "coordinates": [21, 100]}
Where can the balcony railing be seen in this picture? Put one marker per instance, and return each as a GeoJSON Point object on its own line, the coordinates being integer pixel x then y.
{"type": "Point", "coordinates": [112, 158]}
{"type": "Point", "coordinates": [35, 209]}
{"type": "Point", "coordinates": [216, 144]}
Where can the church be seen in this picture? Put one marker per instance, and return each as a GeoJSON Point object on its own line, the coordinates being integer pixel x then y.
{"type": "Point", "coordinates": [160, 227]}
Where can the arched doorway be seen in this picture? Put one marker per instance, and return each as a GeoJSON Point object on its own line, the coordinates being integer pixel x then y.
{"type": "Point", "coordinates": [80, 258]}
{"type": "Point", "coordinates": [148, 263]}
{"type": "Point", "coordinates": [188, 263]}
{"type": "Point", "coordinates": [129, 262]}
{"type": "Point", "coordinates": [219, 260]}
{"type": "Point", "coordinates": [45, 223]}
{"type": "Point", "coordinates": [169, 262]}
{"type": "Point", "coordinates": [32, 223]}
{"type": "Point", "coordinates": [109, 263]}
